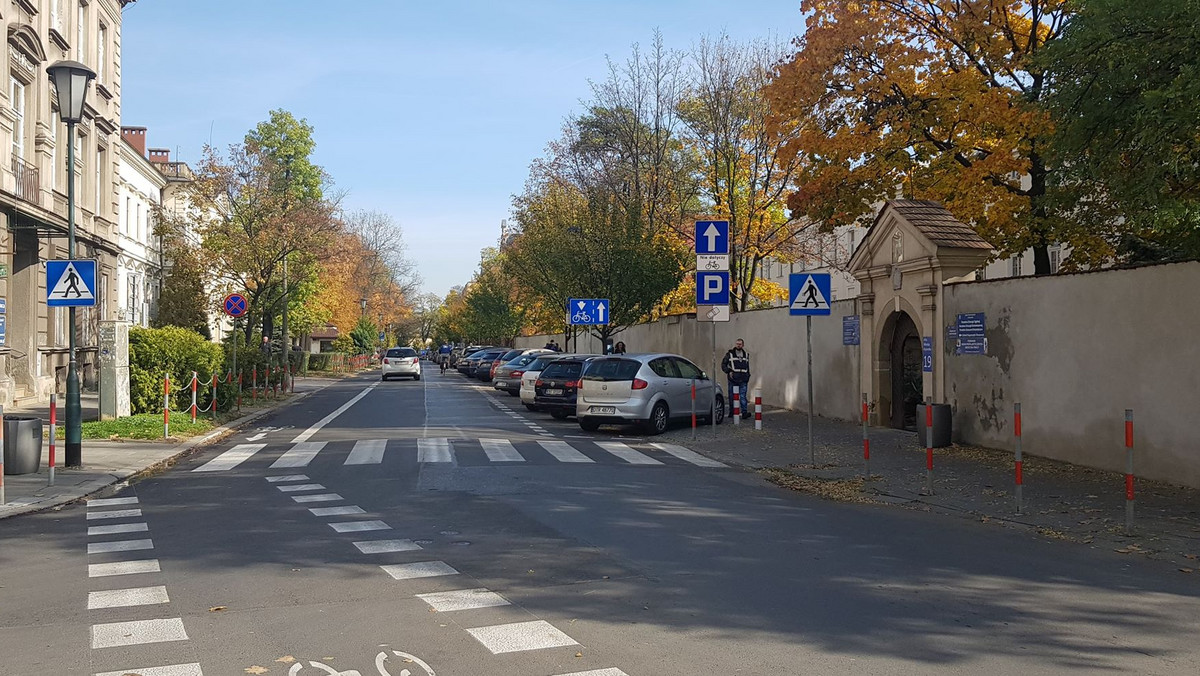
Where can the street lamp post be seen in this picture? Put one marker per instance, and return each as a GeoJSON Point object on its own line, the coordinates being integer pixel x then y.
{"type": "Point", "coordinates": [70, 80]}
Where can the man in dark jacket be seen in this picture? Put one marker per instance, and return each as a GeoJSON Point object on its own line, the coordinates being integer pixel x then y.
{"type": "Point", "coordinates": [736, 365]}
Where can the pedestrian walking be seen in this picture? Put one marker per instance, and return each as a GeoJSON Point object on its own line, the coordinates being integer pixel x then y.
{"type": "Point", "coordinates": [736, 366]}
{"type": "Point", "coordinates": [619, 348]}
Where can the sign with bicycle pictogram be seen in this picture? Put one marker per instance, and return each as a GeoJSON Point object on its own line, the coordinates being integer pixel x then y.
{"type": "Point", "coordinates": [587, 311]}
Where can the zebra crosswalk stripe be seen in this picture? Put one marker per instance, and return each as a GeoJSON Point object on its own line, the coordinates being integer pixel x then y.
{"type": "Point", "coordinates": [231, 458]}
{"type": "Point", "coordinates": [434, 450]}
{"type": "Point", "coordinates": [300, 455]}
{"type": "Point", "coordinates": [367, 452]}
{"type": "Point", "coordinates": [501, 450]}
{"type": "Point", "coordinates": [626, 453]}
{"type": "Point", "coordinates": [688, 455]}
{"type": "Point", "coordinates": [563, 452]}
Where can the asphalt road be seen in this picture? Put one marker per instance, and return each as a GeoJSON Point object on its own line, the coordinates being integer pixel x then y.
{"type": "Point", "coordinates": [426, 527]}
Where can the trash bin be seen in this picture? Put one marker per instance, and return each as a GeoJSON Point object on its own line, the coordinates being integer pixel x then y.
{"type": "Point", "coordinates": [22, 444]}
{"type": "Point", "coordinates": [941, 425]}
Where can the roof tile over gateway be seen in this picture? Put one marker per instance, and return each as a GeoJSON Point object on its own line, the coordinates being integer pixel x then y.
{"type": "Point", "coordinates": [938, 224]}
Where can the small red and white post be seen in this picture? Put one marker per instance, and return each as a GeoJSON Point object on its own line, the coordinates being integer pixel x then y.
{"type": "Point", "coordinates": [929, 446]}
{"type": "Point", "coordinates": [737, 407]}
{"type": "Point", "coordinates": [694, 410]}
{"type": "Point", "coordinates": [214, 399]}
{"type": "Point", "coordinates": [1020, 478]}
{"type": "Point", "coordinates": [193, 409]}
{"type": "Point", "coordinates": [757, 409]}
{"type": "Point", "coordinates": [53, 434]}
{"type": "Point", "coordinates": [1129, 493]}
{"type": "Point", "coordinates": [866, 438]}
{"type": "Point", "coordinates": [167, 407]}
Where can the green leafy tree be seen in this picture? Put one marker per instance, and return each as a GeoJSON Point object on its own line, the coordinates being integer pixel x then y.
{"type": "Point", "coordinates": [365, 336]}
{"type": "Point", "coordinates": [183, 301]}
{"type": "Point", "coordinates": [1126, 102]}
{"type": "Point", "coordinates": [491, 311]}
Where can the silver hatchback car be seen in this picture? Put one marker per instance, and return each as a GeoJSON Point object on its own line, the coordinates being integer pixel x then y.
{"type": "Point", "coordinates": [645, 389]}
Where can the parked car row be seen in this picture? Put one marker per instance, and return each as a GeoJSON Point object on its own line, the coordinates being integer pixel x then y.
{"type": "Point", "coordinates": [647, 390]}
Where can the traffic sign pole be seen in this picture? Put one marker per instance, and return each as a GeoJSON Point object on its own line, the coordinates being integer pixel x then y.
{"type": "Point", "coordinates": [812, 451]}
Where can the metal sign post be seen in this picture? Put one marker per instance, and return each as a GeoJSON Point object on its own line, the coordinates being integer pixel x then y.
{"type": "Point", "coordinates": [809, 295]}
{"type": "Point", "coordinates": [716, 384]}
{"type": "Point", "coordinates": [712, 288]}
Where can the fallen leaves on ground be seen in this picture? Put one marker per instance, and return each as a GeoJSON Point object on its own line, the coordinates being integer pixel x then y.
{"type": "Point", "coordinates": [256, 670]}
{"type": "Point", "coordinates": [1130, 549]}
{"type": "Point", "coordinates": [843, 490]}
{"type": "Point", "coordinates": [286, 659]}
{"type": "Point", "coordinates": [217, 609]}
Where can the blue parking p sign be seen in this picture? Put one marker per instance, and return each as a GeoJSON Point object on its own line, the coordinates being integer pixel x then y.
{"type": "Point", "coordinates": [712, 288]}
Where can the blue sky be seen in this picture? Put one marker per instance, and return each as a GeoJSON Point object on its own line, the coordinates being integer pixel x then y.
{"type": "Point", "coordinates": [428, 111]}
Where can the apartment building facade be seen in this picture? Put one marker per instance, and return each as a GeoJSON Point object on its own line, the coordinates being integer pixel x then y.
{"type": "Point", "coordinates": [33, 186]}
{"type": "Point", "coordinates": [140, 188]}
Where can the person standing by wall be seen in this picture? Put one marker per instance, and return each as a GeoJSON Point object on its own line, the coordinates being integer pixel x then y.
{"type": "Point", "coordinates": [736, 366]}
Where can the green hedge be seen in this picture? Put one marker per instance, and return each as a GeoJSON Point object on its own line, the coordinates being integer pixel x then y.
{"type": "Point", "coordinates": [155, 353]}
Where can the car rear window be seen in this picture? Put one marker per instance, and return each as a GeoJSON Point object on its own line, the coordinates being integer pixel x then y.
{"type": "Point", "coordinates": [511, 354]}
{"type": "Point", "coordinates": [540, 363]}
{"type": "Point", "coordinates": [401, 352]}
{"type": "Point", "coordinates": [608, 370]}
{"type": "Point", "coordinates": [563, 369]}
{"type": "Point", "coordinates": [523, 360]}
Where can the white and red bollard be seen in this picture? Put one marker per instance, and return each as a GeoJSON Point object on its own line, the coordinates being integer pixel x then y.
{"type": "Point", "coordinates": [194, 381]}
{"type": "Point", "coordinates": [167, 406]}
{"type": "Point", "coordinates": [929, 446]}
{"type": "Point", "coordinates": [737, 407]}
{"type": "Point", "coordinates": [758, 409]}
{"type": "Point", "coordinates": [1129, 492]}
{"type": "Point", "coordinates": [1020, 460]}
{"type": "Point", "coordinates": [214, 399]}
{"type": "Point", "coordinates": [866, 438]}
{"type": "Point", "coordinates": [53, 433]}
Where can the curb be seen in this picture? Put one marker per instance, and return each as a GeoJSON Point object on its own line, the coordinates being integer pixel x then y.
{"type": "Point", "coordinates": [181, 451]}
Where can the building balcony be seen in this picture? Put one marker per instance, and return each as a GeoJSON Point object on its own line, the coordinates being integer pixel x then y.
{"type": "Point", "coordinates": [28, 186]}
{"type": "Point", "coordinates": [175, 170]}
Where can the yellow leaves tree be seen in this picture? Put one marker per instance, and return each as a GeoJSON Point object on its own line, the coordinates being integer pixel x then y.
{"type": "Point", "coordinates": [931, 99]}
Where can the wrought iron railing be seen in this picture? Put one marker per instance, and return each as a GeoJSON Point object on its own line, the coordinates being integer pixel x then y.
{"type": "Point", "coordinates": [28, 185]}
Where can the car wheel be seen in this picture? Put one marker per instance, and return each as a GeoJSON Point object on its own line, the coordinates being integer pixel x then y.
{"type": "Point", "coordinates": [513, 394]}
{"type": "Point", "coordinates": [659, 417]}
{"type": "Point", "coordinates": [589, 425]}
{"type": "Point", "coordinates": [530, 407]}
{"type": "Point", "coordinates": [417, 377]}
{"type": "Point", "coordinates": [383, 378]}
{"type": "Point", "coordinates": [720, 410]}
{"type": "Point", "coordinates": [559, 414]}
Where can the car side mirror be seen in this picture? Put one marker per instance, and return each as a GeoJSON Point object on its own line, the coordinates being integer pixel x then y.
{"type": "Point", "coordinates": [703, 375]}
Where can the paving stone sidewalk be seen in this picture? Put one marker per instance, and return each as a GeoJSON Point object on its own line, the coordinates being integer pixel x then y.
{"type": "Point", "coordinates": [1061, 500]}
{"type": "Point", "coordinates": [109, 462]}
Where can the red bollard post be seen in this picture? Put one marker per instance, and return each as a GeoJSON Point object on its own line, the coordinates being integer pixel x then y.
{"type": "Point", "coordinates": [167, 406]}
{"type": "Point", "coordinates": [53, 433]}
{"type": "Point", "coordinates": [1129, 494]}
{"type": "Point", "coordinates": [194, 381]}
{"type": "Point", "coordinates": [1020, 460]}
{"type": "Point", "coordinates": [929, 446]}
{"type": "Point", "coordinates": [737, 407]}
{"type": "Point", "coordinates": [866, 438]}
{"type": "Point", "coordinates": [758, 409]}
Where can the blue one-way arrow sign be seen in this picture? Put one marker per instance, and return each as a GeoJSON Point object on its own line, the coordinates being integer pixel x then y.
{"type": "Point", "coordinates": [587, 311]}
{"type": "Point", "coordinates": [712, 237]}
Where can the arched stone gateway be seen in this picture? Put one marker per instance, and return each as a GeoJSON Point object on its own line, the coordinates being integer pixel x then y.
{"type": "Point", "coordinates": [912, 249]}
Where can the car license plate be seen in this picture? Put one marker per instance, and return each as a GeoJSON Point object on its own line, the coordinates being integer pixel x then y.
{"type": "Point", "coordinates": [552, 393]}
{"type": "Point", "coordinates": [604, 410]}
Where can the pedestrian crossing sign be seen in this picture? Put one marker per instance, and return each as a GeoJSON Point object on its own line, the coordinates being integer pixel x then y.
{"type": "Point", "coordinates": [71, 283]}
{"type": "Point", "coordinates": [809, 294]}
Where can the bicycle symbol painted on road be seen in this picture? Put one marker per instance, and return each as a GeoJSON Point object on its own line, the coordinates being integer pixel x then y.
{"type": "Point", "coordinates": [405, 662]}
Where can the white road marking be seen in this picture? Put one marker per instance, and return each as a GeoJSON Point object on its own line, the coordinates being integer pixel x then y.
{"type": "Point", "coordinates": [500, 450]}
{"type": "Point", "coordinates": [231, 458]}
{"type": "Point", "coordinates": [121, 598]}
{"type": "Point", "coordinates": [287, 477]}
{"type": "Point", "coordinates": [463, 599]}
{"type": "Point", "coordinates": [336, 511]}
{"type": "Point", "coordinates": [111, 502]}
{"type": "Point", "coordinates": [118, 528]}
{"type": "Point", "coordinates": [434, 450]}
{"type": "Point", "coordinates": [119, 546]}
{"type": "Point", "coordinates": [324, 497]}
{"type": "Point", "coordinates": [367, 452]}
{"type": "Point", "coordinates": [300, 455]}
{"type": "Point", "coordinates": [626, 453]}
{"type": "Point", "coordinates": [307, 434]}
{"type": "Point", "coordinates": [563, 451]}
{"type": "Point", "coordinates": [598, 672]}
{"type": "Point", "coordinates": [296, 488]}
{"type": "Point", "coordinates": [138, 632]}
{"type": "Point", "coordinates": [688, 455]}
{"type": "Point", "coordinates": [114, 514]}
{"type": "Point", "coordinates": [192, 669]}
{"type": "Point", "coordinates": [520, 636]}
{"type": "Point", "coordinates": [386, 546]}
{"type": "Point", "coordinates": [410, 571]}
{"type": "Point", "coordinates": [123, 568]}
{"type": "Point", "coordinates": [359, 526]}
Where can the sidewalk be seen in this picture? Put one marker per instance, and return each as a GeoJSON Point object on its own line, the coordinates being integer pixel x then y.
{"type": "Point", "coordinates": [108, 462]}
{"type": "Point", "coordinates": [1061, 500]}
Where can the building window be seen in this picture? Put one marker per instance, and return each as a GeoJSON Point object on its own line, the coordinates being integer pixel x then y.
{"type": "Point", "coordinates": [981, 274]}
{"type": "Point", "coordinates": [1055, 259]}
{"type": "Point", "coordinates": [1016, 265]}
{"type": "Point", "coordinates": [56, 21]}
{"type": "Point", "coordinates": [125, 227]}
{"type": "Point", "coordinates": [81, 34]}
{"type": "Point", "coordinates": [99, 179]}
{"type": "Point", "coordinates": [54, 150]}
{"type": "Point", "coordinates": [16, 95]}
{"type": "Point", "coordinates": [101, 63]}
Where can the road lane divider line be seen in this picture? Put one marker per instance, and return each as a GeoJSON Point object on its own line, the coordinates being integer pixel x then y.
{"type": "Point", "coordinates": [316, 427]}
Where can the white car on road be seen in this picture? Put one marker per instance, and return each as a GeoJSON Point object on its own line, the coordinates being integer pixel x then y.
{"type": "Point", "coordinates": [401, 362]}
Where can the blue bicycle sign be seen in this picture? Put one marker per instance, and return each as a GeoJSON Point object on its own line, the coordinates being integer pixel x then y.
{"type": "Point", "coordinates": [587, 311]}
